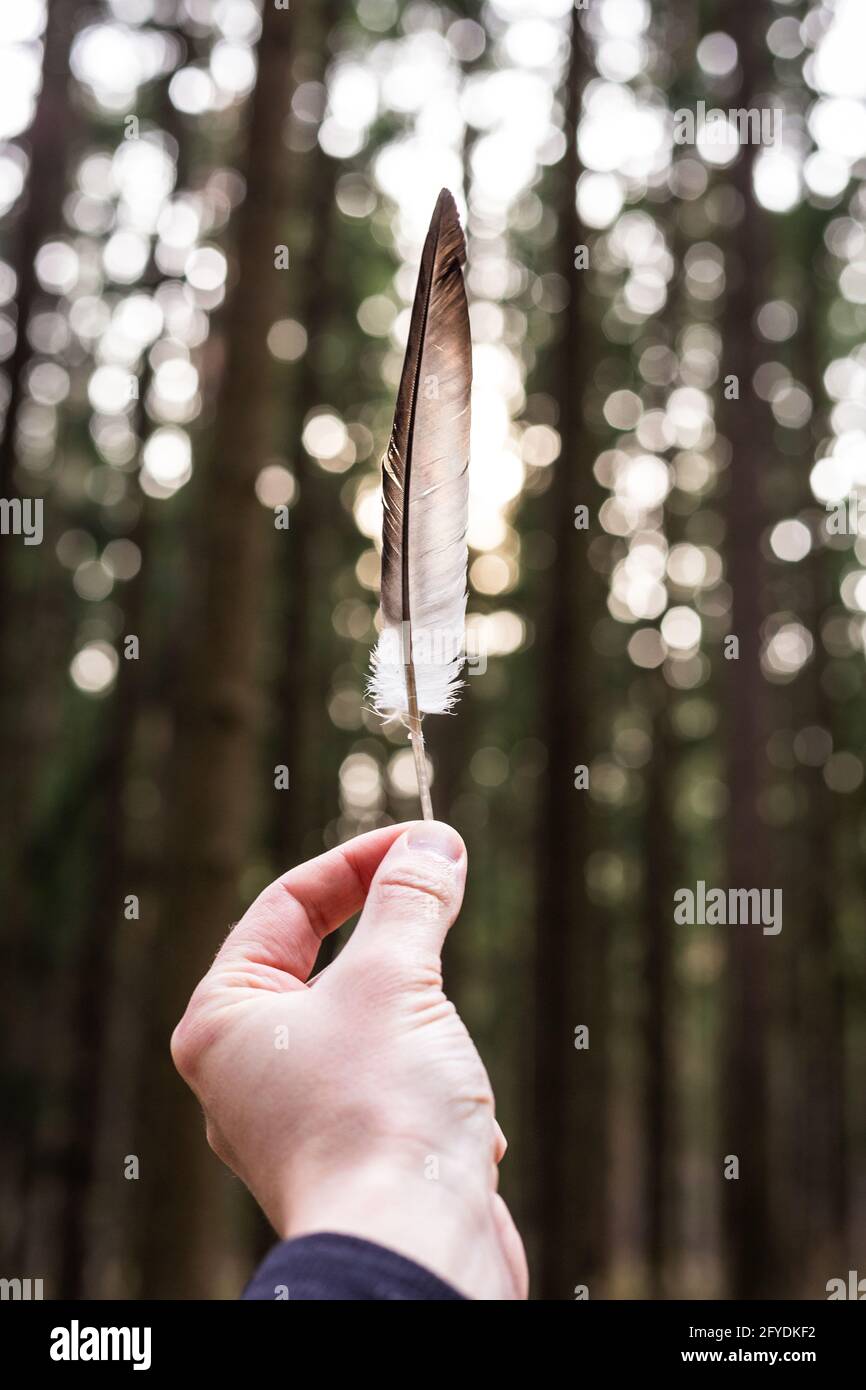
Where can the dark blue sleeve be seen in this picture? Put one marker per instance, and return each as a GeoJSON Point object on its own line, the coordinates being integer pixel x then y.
{"type": "Point", "coordinates": [314, 1268]}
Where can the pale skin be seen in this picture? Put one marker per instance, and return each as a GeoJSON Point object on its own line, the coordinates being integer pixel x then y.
{"type": "Point", "coordinates": [355, 1101]}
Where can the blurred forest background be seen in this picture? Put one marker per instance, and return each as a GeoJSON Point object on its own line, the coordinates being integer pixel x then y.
{"type": "Point", "coordinates": [212, 213]}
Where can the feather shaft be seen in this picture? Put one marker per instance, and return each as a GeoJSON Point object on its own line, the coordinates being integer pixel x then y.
{"type": "Point", "coordinates": [417, 661]}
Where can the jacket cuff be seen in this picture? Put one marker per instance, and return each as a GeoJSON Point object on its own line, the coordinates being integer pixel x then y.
{"type": "Point", "coordinates": [343, 1268]}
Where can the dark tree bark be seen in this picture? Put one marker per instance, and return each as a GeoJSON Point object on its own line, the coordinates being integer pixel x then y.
{"type": "Point", "coordinates": [27, 609]}
{"type": "Point", "coordinates": [658, 950]}
{"type": "Point", "coordinates": [569, 1114]}
{"type": "Point", "coordinates": [678, 35]}
{"type": "Point", "coordinates": [820, 1115]}
{"type": "Point", "coordinates": [183, 1188]}
{"type": "Point", "coordinates": [745, 424]}
{"type": "Point", "coordinates": [41, 216]}
{"type": "Point", "coordinates": [310, 555]}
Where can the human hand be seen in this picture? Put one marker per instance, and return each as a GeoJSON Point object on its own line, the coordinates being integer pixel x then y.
{"type": "Point", "coordinates": [355, 1102]}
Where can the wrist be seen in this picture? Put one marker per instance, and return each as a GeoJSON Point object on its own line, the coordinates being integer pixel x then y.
{"type": "Point", "coordinates": [442, 1225]}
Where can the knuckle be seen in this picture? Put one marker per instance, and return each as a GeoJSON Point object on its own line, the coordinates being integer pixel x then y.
{"type": "Point", "coordinates": [191, 1040]}
{"type": "Point", "coordinates": [200, 1026]}
{"type": "Point", "coordinates": [185, 1047]}
{"type": "Point", "coordinates": [416, 889]}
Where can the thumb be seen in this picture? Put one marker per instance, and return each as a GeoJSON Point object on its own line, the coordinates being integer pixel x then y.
{"type": "Point", "coordinates": [415, 894]}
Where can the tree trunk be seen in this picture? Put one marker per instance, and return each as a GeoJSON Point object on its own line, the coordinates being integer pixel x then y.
{"type": "Point", "coordinates": [30, 633]}
{"type": "Point", "coordinates": [658, 951]}
{"type": "Point", "coordinates": [183, 1188]}
{"type": "Point", "coordinates": [821, 1021]}
{"type": "Point", "coordinates": [745, 423]}
{"type": "Point", "coordinates": [309, 556]}
{"type": "Point", "coordinates": [569, 1115]}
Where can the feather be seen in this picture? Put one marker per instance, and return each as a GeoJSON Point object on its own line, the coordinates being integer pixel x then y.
{"type": "Point", "coordinates": [417, 661]}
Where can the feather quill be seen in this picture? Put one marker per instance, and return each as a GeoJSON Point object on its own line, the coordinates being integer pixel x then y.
{"type": "Point", "coordinates": [418, 658]}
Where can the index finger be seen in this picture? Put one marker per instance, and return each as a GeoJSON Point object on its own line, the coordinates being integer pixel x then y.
{"type": "Point", "coordinates": [286, 924]}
